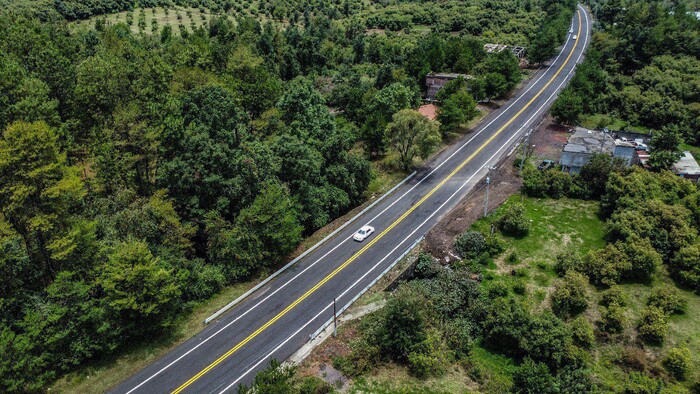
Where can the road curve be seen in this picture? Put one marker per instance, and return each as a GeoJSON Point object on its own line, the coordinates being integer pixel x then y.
{"type": "Point", "coordinates": [278, 319]}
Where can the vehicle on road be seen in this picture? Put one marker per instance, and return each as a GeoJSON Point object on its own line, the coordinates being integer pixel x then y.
{"type": "Point", "coordinates": [571, 30]}
{"type": "Point", "coordinates": [574, 36]}
{"type": "Point", "coordinates": [363, 233]}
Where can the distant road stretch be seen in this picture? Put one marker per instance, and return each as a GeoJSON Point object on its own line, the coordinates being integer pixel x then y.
{"type": "Point", "coordinates": [278, 319]}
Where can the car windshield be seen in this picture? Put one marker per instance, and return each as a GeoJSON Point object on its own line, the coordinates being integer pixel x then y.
{"type": "Point", "coordinates": [361, 232]}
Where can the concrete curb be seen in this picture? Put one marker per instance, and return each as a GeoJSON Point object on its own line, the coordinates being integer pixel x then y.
{"type": "Point", "coordinates": [311, 249]}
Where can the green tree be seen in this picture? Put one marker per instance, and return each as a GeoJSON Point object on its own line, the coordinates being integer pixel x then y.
{"type": "Point", "coordinates": [652, 325]}
{"type": "Point", "coordinates": [411, 134]}
{"type": "Point", "coordinates": [543, 46]}
{"type": "Point", "coordinates": [39, 193]}
{"type": "Point", "coordinates": [685, 266]}
{"type": "Point", "coordinates": [568, 107]}
{"type": "Point", "coordinates": [533, 378]}
{"type": "Point", "coordinates": [457, 109]}
{"type": "Point", "coordinates": [570, 297]}
{"type": "Point", "coordinates": [513, 221]}
{"type": "Point", "coordinates": [272, 218]}
{"type": "Point", "coordinates": [665, 148]}
{"type": "Point", "coordinates": [678, 362]}
{"type": "Point", "coordinates": [403, 328]}
{"type": "Point", "coordinates": [139, 291]}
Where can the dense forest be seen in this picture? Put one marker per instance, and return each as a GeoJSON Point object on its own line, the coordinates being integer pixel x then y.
{"type": "Point", "coordinates": [140, 173]}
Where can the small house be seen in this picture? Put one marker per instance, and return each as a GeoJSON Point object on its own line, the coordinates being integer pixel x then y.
{"type": "Point", "coordinates": [582, 145]}
{"type": "Point", "coordinates": [687, 167]}
{"type": "Point", "coordinates": [435, 81]}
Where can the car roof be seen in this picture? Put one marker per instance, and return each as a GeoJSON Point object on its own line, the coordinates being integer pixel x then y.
{"type": "Point", "coordinates": [366, 228]}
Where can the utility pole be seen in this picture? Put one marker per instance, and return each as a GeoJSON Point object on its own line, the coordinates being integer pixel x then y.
{"type": "Point", "coordinates": [522, 158]}
{"type": "Point", "coordinates": [486, 203]}
{"type": "Point", "coordinates": [335, 322]}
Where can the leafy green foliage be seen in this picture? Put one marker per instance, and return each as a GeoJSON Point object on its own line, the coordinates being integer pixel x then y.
{"type": "Point", "coordinates": [513, 222]}
{"type": "Point", "coordinates": [411, 134]}
{"type": "Point", "coordinates": [653, 325]}
{"type": "Point", "coordinates": [669, 300]}
{"type": "Point", "coordinates": [678, 362]}
{"type": "Point", "coordinates": [470, 244]}
{"type": "Point", "coordinates": [570, 296]}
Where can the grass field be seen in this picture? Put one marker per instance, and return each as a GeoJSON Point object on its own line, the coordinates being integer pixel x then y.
{"type": "Point", "coordinates": [142, 19]}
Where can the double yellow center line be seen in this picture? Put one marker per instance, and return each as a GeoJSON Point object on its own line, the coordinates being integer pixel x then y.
{"type": "Point", "coordinates": [378, 237]}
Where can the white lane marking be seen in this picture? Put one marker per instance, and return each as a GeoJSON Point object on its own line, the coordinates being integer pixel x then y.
{"type": "Point", "coordinates": [520, 97]}
{"type": "Point", "coordinates": [537, 113]}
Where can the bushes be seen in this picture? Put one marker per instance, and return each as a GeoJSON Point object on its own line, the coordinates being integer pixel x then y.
{"type": "Point", "coordinates": [570, 296]}
{"type": "Point", "coordinates": [652, 325]}
{"type": "Point", "coordinates": [513, 222]}
{"type": "Point", "coordinates": [669, 300]}
{"type": "Point", "coordinates": [582, 332]}
{"type": "Point", "coordinates": [470, 244]}
{"type": "Point", "coordinates": [613, 319]}
{"type": "Point", "coordinates": [678, 363]}
{"type": "Point", "coordinates": [685, 267]}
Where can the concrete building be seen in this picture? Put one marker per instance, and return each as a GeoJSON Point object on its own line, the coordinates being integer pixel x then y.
{"type": "Point", "coordinates": [626, 151]}
{"type": "Point", "coordinates": [582, 145]}
{"type": "Point", "coordinates": [435, 81]}
{"type": "Point", "coordinates": [687, 167]}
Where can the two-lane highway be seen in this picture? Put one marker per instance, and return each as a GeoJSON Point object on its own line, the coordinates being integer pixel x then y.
{"type": "Point", "coordinates": [278, 319]}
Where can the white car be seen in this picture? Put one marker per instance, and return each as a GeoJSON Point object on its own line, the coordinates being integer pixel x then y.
{"type": "Point", "coordinates": [574, 36]}
{"type": "Point", "coordinates": [363, 233]}
{"type": "Point", "coordinates": [571, 30]}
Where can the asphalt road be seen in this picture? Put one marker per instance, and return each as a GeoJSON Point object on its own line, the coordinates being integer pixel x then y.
{"type": "Point", "coordinates": [278, 319]}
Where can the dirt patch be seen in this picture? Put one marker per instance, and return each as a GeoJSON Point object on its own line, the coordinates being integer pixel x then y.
{"type": "Point", "coordinates": [549, 138]}
{"type": "Point", "coordinates": [504, 183]}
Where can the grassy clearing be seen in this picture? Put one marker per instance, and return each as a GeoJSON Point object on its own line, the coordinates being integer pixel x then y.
{"type": "Point", "coordinates": [188, 17]}
{"type": "Point", "coordinates": [598, 121]}
{"type": "Point", "coordinates": [556, 225]}
{"type": "Point", "coordinates": [393, 379]}
{"type": "Point", "coordinates": [103, 375]}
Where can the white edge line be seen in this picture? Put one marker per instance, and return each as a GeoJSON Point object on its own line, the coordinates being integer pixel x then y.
{"type": "Point", "coordinates": [481, 129]}
{"type": "Point", "coordinates": [263, 359]}
{"type": "Point", "coordinates": [306, 252]}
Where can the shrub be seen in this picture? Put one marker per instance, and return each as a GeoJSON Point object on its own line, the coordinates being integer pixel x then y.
{"type": "Point", "coordinates": [640, 383]}
{"type": "Point", "coordinates": [532, 377]}
{"type": "Point", "coordinates": [426, 267]}
{"type": "Point", "coordinates": [652, 325]}
{"type": "Point", "coordinates": [566, 261]}
{"type": "Point", "coordinates": [497, 289]}
{"type": "Point", "coordinates": [685, 266]}
{"type": "Point", "coordinates": [669, 300]}
{"type": "Point", "coordinates": [513, 222]}
{"type": "Point", "coordinates": [470, 244]}
{"type": "Point", "coordinates": [613, 319]}
{"type": "Point", "coordinates": [495, 245]}
{"type": "Point", "coordinates": [678, 363]}
{"type": "Point", "coordinates": [512, 258]}
{"type": "Point", "coordinates": [519, 287]}
{"type": "Point", "coordinates": [570, 296]}
{"type": "Point", "coordinates": [614, 296]}
{"type": "Point", "coordinates": [430, 357]}
{"type": "Point", "coordinates": [582, 332]}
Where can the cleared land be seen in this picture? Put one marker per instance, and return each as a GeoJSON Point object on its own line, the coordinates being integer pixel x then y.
{"type": "Point", "coordinates": [143, 19]}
